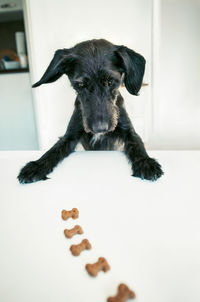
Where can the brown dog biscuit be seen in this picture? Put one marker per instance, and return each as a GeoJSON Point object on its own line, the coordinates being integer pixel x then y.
{"type": "Point", "coordinates": [74, 214]}
{"type": "Point", "coordinates": [123, 294]}
{"type": "Point", "coordinates": [76, 230]}
{"type": "Point", "coordinates": [78, 248]}
{"type": "Point", "coordinates": [100, 265]}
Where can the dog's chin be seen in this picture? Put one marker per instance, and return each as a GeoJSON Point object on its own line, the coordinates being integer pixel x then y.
{"type": "Point", "coordinates": [87, 130]}
{"type": "Point", "coordinates": [95, 133]}
{"type": "Point", "coordinates": [99, 133]}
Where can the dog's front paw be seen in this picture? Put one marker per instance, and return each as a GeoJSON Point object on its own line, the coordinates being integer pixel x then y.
{"type": "Point", "coordinates": [147, 168]}
{"type": "Point", "coordinates": [33, 171]}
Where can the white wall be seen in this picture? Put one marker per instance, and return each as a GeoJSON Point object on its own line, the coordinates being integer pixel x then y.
{"type": "Point", "coordinates": [58, 24]}
{"type": "Point", "coordinates": [17, 125]}
{"type": "Point", "coordinates": [177, 107]}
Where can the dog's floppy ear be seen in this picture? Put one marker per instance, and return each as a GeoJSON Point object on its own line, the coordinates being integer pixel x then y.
{"type": "Point", "coordinates": [60, 64]}
{"type": "Point", "coordinates": [133, 66]}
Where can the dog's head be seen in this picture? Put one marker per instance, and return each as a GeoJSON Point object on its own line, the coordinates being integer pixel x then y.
{"type": "Point", "coordinates": [96, 69]}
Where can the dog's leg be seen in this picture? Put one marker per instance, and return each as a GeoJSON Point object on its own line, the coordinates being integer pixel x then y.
{"type": "Point", "coordinates": [143, 166]}
{"type": "Point", "coordinates": [38, 170]}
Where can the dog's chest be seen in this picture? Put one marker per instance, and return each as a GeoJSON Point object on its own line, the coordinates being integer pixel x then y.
{"type": "Point", "coordinates": [105, 142]}
{"type": "Point", "coordinates": [96, 138]}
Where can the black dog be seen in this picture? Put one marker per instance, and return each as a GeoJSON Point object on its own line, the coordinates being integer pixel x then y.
{"type": "Point", "coordinates": [96, 69]}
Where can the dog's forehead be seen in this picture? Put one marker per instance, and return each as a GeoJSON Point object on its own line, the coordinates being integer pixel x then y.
{"type": "Point", "coordinates": [96, 69]}
{"type": "Point", "coordinates": [95, 74]}
{"type": "Point", "coordinates": [94, 56]}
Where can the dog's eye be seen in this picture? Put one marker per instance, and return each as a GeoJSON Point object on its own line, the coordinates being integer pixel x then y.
{"type": "Point", "coordinates": [80, 85]}
{"type": "Point", "coordinates": [108, 82]}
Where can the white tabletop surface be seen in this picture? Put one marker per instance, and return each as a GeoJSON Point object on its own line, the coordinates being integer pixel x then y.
{"type": "Point", "coordinates": [148, 231]}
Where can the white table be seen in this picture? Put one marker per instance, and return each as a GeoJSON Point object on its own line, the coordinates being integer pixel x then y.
{"type": "Point", "coordinates": [148, 232]}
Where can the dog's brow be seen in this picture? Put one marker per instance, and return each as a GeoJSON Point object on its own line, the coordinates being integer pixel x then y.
{"type": "Point", "coordinates": [112, 74]}
{"type": "Point", "coordinates": [79, 79]}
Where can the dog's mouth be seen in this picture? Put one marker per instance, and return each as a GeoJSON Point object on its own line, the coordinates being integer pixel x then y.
{"type": "Point", "coordinates": [102, 128]}
{"type": "Point", "coordinates": [98, 133]}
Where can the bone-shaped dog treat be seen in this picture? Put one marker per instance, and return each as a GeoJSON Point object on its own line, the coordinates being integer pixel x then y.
{"type": "Point", "coordinates": [77, 249]}
{"type": "Point", "coordinates": [76, 230]}
{"type": "Point", "coordinates": [124, 293]}
{"type": "Point", "coordinates": [100, 265]}
{"type": "Point", "coordinates": [74, 214]}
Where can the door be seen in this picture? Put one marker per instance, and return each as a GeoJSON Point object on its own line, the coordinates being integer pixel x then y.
{"type": "Point", "coordinates": [61, 24]}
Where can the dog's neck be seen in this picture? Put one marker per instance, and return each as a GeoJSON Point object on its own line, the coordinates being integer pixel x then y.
{"type": "Point", "coordinates": [95, 138]}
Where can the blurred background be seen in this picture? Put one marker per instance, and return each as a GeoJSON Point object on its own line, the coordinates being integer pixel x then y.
{"type": "Point", "coordinates": [165, 32]}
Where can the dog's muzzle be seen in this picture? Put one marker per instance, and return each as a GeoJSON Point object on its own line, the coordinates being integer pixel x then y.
{"type": "Point", "coordinates": [100, 127]}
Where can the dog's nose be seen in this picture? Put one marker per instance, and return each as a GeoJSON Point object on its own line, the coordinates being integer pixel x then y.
{"type": "Point", "coordinates": [100, 127]}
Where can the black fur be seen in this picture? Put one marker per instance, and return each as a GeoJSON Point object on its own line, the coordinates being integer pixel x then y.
{"type": "Point", "coordinates": [96, 69]}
